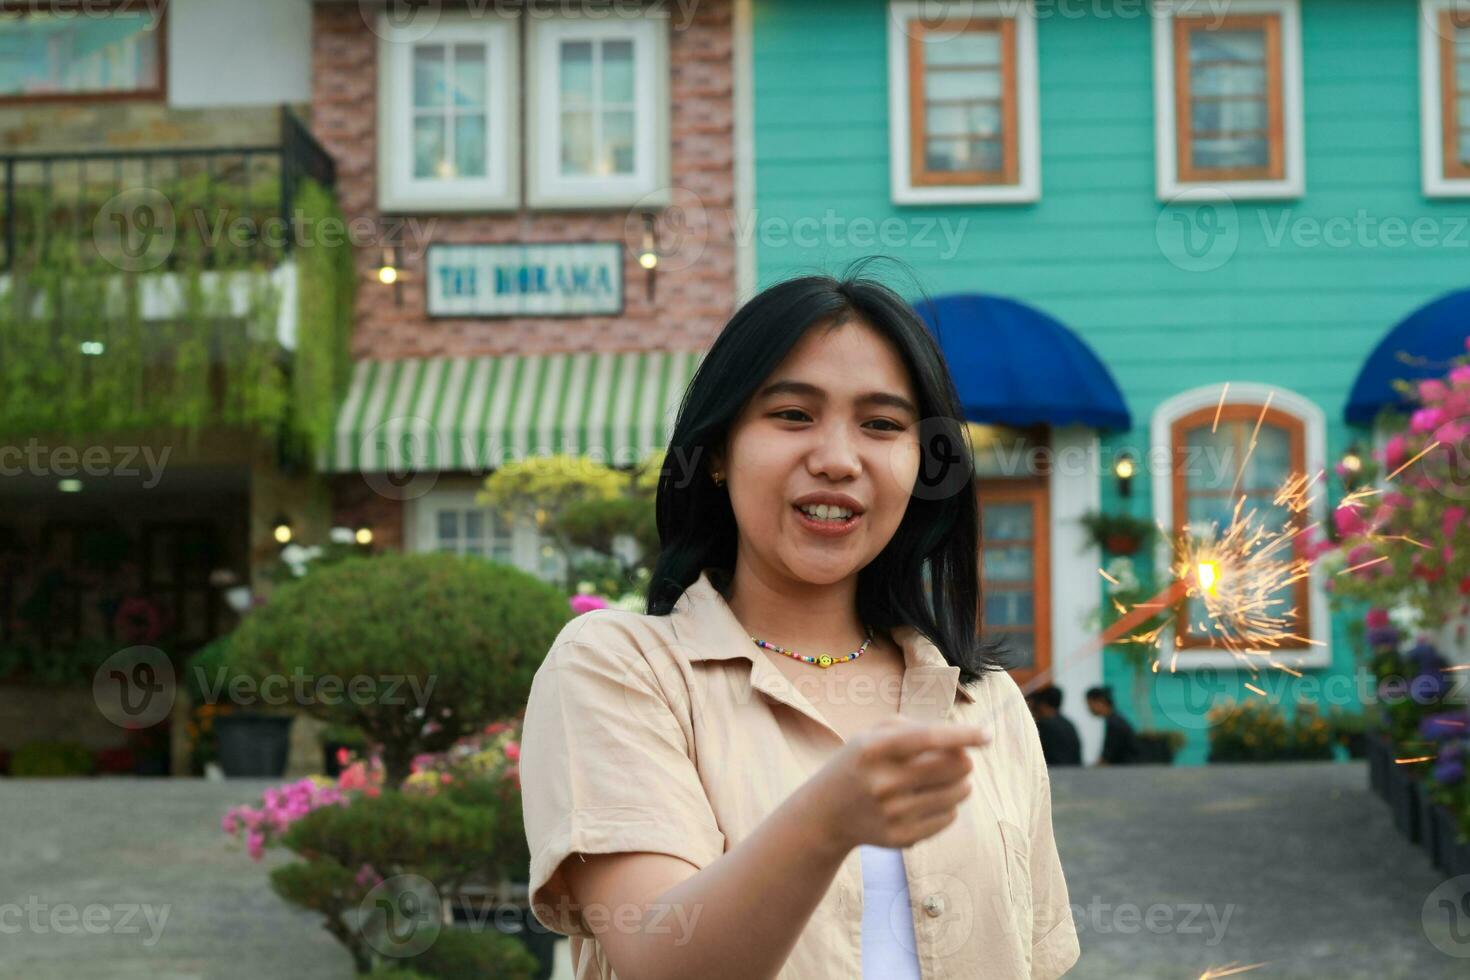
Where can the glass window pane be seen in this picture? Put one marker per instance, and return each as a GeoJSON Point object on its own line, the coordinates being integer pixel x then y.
{"type": "Point", "coordinates": [1210, 458]}
{"type": "Point", "coordinates": [617, 135]}
{"type": "Point", "coordinates": [428, 147]}
{"type": "Point", "coordinates": [1006, 522]}
{"type": "Point", "coordinates": [469, 75]}
{"type": "Point", "coordinates": [448, 525]}
{"type": "Point", "coordinates": [1270, 461]}
{"type": "Point", "coordinates": [576, 143]}
{"type": "Point", "coordinates": [968, 83]}
{"type": "Point", "coordinates": [1237, 45]}
{"type": "Point", "coordinates": [1213, 79]}
{"type": "Point", "coordinates": [978, 119]}
{"type": "Point", "coordinates": [1229, 116]}
{"type": "Point", "coordinates": [428, 76]}
{"type": "Point", "coordinates": [576, 73]}
{"type": "Point", "coordinates": [1237, 154]}
{"type": "Point", "coordinates": [617, 71]}
{"type": "Point", "coordinates": [1008, 608]}
{"type": "Point", "coordinates": [1462, 72]}
{"type": "Point", "coordinates": [469, 145]}
{"type": "Point", "coordinates": [1007, 564]}
{"type": "Point", "coordinates": [474, 524]}
{"type": "Point", "coordinates": [1205, 509]}
{"type": "Point", "coordinates": [964, 155]}
{"type": "Point", "coordinates": [965, 48]}
{"type": "Point", "coordinates": [44, 54]}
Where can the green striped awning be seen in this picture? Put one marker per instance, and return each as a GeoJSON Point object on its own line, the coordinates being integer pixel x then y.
{"type": "Point", "coordinates": [445, 414]}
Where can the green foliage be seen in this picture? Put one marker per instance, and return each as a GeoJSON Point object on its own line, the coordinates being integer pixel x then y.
{"type": "Point", "coordinates": [460, 637]}
{"type": "Point", "coordinates": [51, 759]}
{"type": "Point", "coordinates": [73, 665]}
{"type": "Point", "coordinates": [1106, 530]}
{"type": "Point", "coordinates": [459, 954]}
{"type": "Point", "coordinates": [205, 368]}
{"type": "Point", "coordinates": [1259, 731]}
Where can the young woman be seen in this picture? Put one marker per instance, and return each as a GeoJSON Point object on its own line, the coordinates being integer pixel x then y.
{"type": "Point", "coordinates": [801, 763]}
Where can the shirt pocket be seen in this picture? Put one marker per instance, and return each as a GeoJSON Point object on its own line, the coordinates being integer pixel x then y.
{"type": "Point", "coordinates": [1017, 846]}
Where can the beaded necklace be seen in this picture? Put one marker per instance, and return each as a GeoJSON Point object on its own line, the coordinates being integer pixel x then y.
{"type": "Point", "coordinates": [823, 660]}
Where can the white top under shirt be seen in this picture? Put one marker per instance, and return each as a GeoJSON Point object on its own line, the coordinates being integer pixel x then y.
{"type": "Point", "coordinates": [888, 924]}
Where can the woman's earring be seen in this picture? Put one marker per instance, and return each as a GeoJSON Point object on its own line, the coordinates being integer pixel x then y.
{"type": "Point", "coordinates": [719, 479]}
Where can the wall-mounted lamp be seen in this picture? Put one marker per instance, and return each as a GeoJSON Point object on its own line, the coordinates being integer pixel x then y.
{"type": "Point", "coordinates": [390, 271]}
{"type": "Point", "coordinates": [281, 529]}
{"type": "Point", "coordinates": [363, 536]}
{"type": "Point", "coordinates": [648, 253]}
{"type": "Point", "coordinates": [1124, 469]}
{"type": "Point", "coordinates": [1351, 467]}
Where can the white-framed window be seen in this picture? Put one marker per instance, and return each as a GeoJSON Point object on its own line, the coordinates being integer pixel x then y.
{"type": "Point", "coordinates": [1228, 99]}
{"type": "Point", "coordinates": [963, 117]}
{"type": "Point", "coordinates": [450, 519]}
{"type": "Point", "coordinates": [1444, 96]}
{"type": "Point", "coordinates": [597, 110]}
{"type": "Point", "coordinates": [1203, 479]}
{"type": "Point", "coordinates": [447, 102]}
{"type": "Point", "coordinates": [48, 53]}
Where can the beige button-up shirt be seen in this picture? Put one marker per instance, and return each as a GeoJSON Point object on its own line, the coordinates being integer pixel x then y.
{"type": "Point", "coordinates": [675, 734]}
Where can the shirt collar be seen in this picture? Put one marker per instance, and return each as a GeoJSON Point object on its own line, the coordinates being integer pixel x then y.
{"type": "Point", "coordinates": [709, 630]}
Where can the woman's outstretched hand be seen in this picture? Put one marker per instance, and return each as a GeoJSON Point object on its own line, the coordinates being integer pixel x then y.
{"type": "Point", "coordinates": [897, 783]}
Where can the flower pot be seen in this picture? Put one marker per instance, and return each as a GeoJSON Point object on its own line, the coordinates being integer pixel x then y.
{"type": "Point", "coordinates": [1356, 744]}
{"type": "Point", "coordinates": [511, 918]}
{"type": "Point", "coordinates": [1121, 544]}
{"type": "Point", "coordinates": [1428, 815]}
{"type": "Point", "coordinates": [1403, 801]}
{"type": "Point", "coordinates": [1379, 759]}
{"type": "Point", "coordinates": [253, 745]}
{"type": "Point", "coordinates": [1154, 748]}
{"type": "Point", "coordinates": [1454, 853]}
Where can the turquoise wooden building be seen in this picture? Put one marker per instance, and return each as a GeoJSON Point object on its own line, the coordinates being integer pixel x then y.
{"type": "Point", "coordinates": [1256, 193]}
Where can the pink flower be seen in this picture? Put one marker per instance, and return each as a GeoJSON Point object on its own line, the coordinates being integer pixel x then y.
{"type": "Point", "coordinates": [255, 844]}
{"type": "Point", "coordinates": [513, 751]}
{"type": "Point", "coordinates": [1348, 521]}
{"type": "Point", "coordinates": [1426, 419]}
{"type": "Point", "coordinates": [1395, 451]}
{"type": "Point", "coordinates": [586, 603]}
{"type": "Point", "coordinates": [1376, 618]}
{"type": "Point", "coordinates": [1460, 374]}
{"type": "Point", "coordinates": [1451, 519]}
{"type": "Point", "coordinates": [367, 877]}
{"type": "Point", "coordinates": [1433, 391]}
{"type": "Point", "coordinates": [1396, 499]}
{"type": "Point", "coordinates": [1452, 433]}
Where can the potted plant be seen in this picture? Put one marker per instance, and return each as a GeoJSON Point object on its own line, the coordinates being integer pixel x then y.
{"type": "Point", "coordinates": [1118, 534]}
{"type": "Point", "coordinates": [1159, 746]}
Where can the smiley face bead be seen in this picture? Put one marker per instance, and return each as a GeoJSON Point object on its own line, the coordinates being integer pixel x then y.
{"type": "Point", "coordinates": [824, 661]}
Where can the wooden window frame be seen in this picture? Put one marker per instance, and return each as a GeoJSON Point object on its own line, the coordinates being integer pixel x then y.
{"type": "Point", "coordinates": [1451, 166]}
{"type": "Point", "coordinates": [1246, 413]}
{"type": "Point", "coordinates": [1010, 172]}
{"type": "Point", "coordinates": [154, 93]}
{"type": "Point", "coordinates": [1035, 491]}
{"type": "Point", "coordinates": [1275, 169]}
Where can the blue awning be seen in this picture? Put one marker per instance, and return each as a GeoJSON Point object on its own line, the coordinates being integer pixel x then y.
{"type": "Point", "coordinates": [1420, 347]}
{"type": "Point", "coordinates": [1014, 365]}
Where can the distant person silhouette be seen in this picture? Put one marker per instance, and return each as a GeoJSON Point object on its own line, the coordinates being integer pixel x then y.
{"type": "Point", "coordinates": [1060, 744]}
{"type": "Point", "coordinates": [1120, 744]}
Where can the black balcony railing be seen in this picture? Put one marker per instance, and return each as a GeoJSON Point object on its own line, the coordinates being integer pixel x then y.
{"type": "Point", "coordinates": [221, 206]}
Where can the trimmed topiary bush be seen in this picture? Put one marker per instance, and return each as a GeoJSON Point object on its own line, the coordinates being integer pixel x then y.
{"type": "Point", "coordinates": [445, 644]}
{"type": "Point", "coordinates": [458, 954]}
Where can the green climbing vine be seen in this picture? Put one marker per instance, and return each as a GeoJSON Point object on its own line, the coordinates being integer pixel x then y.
{"type": "Point", "coordinates": [79, 355]}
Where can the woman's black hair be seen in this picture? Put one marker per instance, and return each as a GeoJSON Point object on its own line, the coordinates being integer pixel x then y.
{"type": "Point", "coordinates": [937, 542]}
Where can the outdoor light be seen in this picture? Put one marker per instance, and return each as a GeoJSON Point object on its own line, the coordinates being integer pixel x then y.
{"type": "Point", "coordinates": [1352, 466]}
{"type": "Point", "coordinates": [1123, 470]}
{"type": "Point", "coordinates": [282, 530]}
{"type": "Point", "coordinates": [390, 273]}
{"type": "Point", "coordinates": [93, 348]}
{"type": "Point", "coordinates": [648, 254]}
{"type": "Point", "coordinates": [69, 486]}
{"type": "Point", "coordinates": [364, 535]}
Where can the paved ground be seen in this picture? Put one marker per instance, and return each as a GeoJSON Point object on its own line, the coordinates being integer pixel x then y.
{"type": "Point", "coordinates": [1171, 871]}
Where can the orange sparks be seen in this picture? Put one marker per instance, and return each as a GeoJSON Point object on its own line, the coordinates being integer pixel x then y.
{"type": "Point", "coordinates": [1229, 969]}
{"type": "Point", "coordinates": [1365, 564]}
{"type": "Point", "coordinates": [1107, 576]}
{"type": "Point", "coordinates": [1417, 758]}
{"type": "Point", "coordinates": [1220, 406]}
{"type": "Point", "coordinates": [1411, 462]}
{"type": "Point", "coordinates": [1256, 689]}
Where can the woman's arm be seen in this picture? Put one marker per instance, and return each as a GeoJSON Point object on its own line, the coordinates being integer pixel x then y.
{"type": "Point", "coordinates": [659, 917]}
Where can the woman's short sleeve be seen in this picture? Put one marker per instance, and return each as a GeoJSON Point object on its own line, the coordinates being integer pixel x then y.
{"type": "Point", "coordinates": [605, 768]}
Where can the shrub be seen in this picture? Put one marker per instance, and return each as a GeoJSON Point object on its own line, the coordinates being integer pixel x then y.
{"type": "Point", "coordinates": [459, 954]}
{"type": "Point", "coordinates": [51, 759]}
{"type": "Point", "coordinates": [460, 637]}
{"type": "Point", "coordinates": [1258, 731]}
